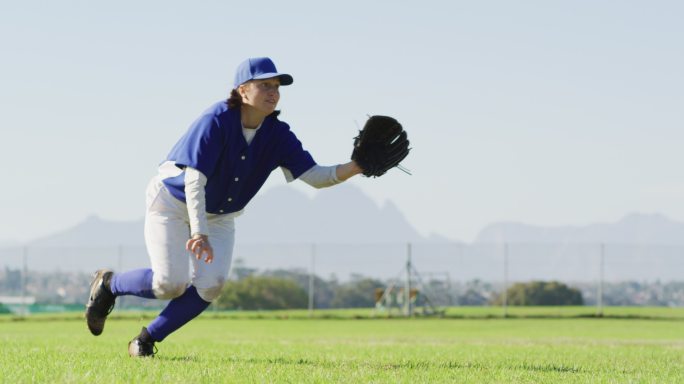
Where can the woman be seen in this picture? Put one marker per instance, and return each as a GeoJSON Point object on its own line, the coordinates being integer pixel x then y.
{"type": "Point", "coordinates": [206, 181]}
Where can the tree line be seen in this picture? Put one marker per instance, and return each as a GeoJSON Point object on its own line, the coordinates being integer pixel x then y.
{"type": "Point", "coordinates": [288, 289]}
{"type": "Point", "coordinates": [249, 288]}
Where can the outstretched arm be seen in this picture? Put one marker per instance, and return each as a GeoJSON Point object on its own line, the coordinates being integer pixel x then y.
{"type": "Point", "coordinates": [320, 176]}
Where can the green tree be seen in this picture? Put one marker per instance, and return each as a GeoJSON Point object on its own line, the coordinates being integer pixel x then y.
{"type": "Point", "coordinates": [239, 270]}
{"type": "Point", "coordinates": [262, 292]}
{"type": "Point", "coordinates": [471, 297]}
{"type": "Point", "coordinates": [358, 293]}
{"type": "Point", "coordinates": [541, 293]}
{"type": "Point", "coordinates": [324, 291]}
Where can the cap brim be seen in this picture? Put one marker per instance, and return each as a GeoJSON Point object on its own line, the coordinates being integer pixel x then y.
{"type": "Point", "coordinates": [285, 79]}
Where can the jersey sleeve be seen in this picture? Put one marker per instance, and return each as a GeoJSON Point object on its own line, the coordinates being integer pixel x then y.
{"type": "Point", "coordinates": [200, 147]}
{"type": "Point", "coordinates": [293, 156]}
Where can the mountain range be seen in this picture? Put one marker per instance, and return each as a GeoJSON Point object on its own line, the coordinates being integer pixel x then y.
{"type": "Point", "coordinates": [281, 215]}
{"type": "Point", "coordinates": [355, 235]}
{"type": "Point", "coordinates": [634, 228]}
{"type": "Point", "coordinates": [346, 215]}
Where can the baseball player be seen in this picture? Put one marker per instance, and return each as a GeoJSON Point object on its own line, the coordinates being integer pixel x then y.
{"type": "Point", "coordinates": [208, 178]}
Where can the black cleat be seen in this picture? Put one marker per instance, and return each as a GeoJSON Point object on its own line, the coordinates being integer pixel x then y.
{"type": "Point", "coordinates": [142, 345]}
{"type": "Point", "coordinates": [101, 301]}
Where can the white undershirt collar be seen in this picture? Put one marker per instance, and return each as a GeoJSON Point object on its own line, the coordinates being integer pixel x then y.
{"type": "Point", "coordinates": [250, 133]}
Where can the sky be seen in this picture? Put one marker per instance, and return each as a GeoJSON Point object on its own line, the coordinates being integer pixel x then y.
{"type": "Point", "coordinates": [543, 112]}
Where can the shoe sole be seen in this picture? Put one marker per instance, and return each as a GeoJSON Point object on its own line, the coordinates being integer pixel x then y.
{"type": "Point", "coordinates": [95, 324]}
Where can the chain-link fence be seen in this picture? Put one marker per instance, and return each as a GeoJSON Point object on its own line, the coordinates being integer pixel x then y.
{"type": "Point", "coordinates": [449, 274]}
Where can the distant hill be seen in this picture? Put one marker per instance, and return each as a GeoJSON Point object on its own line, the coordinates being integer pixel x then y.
{"type": "Point", "coordinates": [282, 221]}
{"type": "Point", "coordinates": [635, 228]}
{"type": "Point", "coordinates": [352, 234]}
{"type": "Point", "coordinates": [346, 215]}
{"type": "Point", "coordinates": [343, 214]}
{"type": "Point", "coordinates": [94, 232]}
{"type": "Point", "coordinates": [639, 247]}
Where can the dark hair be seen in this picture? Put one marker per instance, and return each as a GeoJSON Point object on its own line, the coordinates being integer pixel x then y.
{"type": "Point", "coordinates": [235, 101]}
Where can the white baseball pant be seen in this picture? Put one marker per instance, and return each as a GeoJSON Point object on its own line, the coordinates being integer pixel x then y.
{"type": "Point", "coordinates": [167, 229]}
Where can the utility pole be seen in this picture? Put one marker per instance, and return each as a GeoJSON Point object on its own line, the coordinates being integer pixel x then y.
{"type": "Point", "coordinates": [505, 287]}
{"type": "Point", "coordinates": [24, 279]}
{"type": "Point", "coordinates": [408, 310]}
{"type": "Point", "coordinates": [312, 272]}
{"type": "Point", "coordinates": [599, 294]}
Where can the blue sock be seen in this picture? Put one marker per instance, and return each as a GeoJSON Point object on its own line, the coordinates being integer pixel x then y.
{"type": "Point", "coordinates": [178, 312]}
{"type": "Point", "coordinates": [137, 282]}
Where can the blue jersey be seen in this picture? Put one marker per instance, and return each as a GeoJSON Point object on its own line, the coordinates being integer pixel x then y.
{"type": "Point", "coordinates": [235, 171]}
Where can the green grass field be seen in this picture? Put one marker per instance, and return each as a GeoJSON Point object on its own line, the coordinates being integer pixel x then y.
{"type": "Point", "coordinates": [240, 348]}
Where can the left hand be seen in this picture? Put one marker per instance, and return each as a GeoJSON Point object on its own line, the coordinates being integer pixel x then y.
{"type": "Point", "coordinates": [199, 245]}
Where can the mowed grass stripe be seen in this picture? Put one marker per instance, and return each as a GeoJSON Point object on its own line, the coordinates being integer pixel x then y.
{"type": "Point", "coordinates": [411, 350]}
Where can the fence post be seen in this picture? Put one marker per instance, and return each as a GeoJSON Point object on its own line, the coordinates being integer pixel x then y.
{"type": "Point", "coordinates": [312, 272]}
{"type": "Point", "coordinates": [505, 287]}
{"type": "Point", "coordinates": [24, 279]}
{"type": "Point", "coordinates": [450, 298]}
{"type": "Point", "coordinates": [408, 311]}
{"type": "Point", "coordinates": [599, 293]}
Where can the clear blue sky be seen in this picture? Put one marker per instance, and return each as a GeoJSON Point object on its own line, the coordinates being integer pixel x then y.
{"type": "Point", "coordinates": [544, 112]}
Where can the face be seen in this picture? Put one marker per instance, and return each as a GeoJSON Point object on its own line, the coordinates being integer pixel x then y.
{"type": "Point", "coordinates": [262, 95]}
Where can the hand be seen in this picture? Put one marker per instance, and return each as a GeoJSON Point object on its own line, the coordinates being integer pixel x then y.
{"type": "Point", "coordinates": [199, 245]}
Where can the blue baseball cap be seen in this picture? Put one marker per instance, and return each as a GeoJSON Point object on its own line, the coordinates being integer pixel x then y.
{"type": "Point", "coordinates": [258, 68]}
